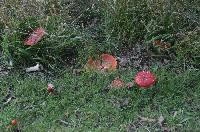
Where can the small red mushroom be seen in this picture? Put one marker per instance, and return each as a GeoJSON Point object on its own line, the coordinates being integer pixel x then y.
{"type": "Point", "coordinates": [35, 36]}
{"type": "Point", "coordinates": [117, 83]}
{"type": "Point", "coordinates": [144, 79]}
{"type": "Point", "coordinates": [50, 88]}
{"type": "Point", "coordinates": [14, 122]}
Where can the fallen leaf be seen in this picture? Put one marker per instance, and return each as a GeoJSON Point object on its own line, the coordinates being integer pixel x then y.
{"type": "Point", "coordinates": [162, 45]}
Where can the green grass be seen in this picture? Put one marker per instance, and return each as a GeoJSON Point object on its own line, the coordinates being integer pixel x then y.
{"type": "Point", "coordinates": [90, 107]}
{"type": "Point", "coordinates": [80, 28]}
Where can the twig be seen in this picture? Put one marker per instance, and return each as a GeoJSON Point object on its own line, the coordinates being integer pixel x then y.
{"type": "Point", "coordinates": [145, 119]}
{"type": "Point", "coordinates": [8, 100]}
{"type": "Point", "coordinates": [64, 122]}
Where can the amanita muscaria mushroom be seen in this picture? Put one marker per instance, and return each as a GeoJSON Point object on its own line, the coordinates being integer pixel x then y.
{"type": "Point", "coordinates": [35, 36]}
{"type": "Point", "coordinates": [104, 63]}
{"type": "Point", "coordinates": [108, 62]}
{"type": "Point", "coordinates": [144, 79]}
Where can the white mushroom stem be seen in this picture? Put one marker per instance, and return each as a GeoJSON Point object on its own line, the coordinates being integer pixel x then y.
{"type": "Point", "coordinates": [34, 68]}
{"type": "Point", "coordinates": [50, 85]}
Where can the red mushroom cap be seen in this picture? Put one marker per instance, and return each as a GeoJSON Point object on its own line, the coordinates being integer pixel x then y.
{"type": "Point", "coordinates": [144, 79]}
{"type": "Point", "coordinates": [109, 62]}
{"type": "Point", "coordinates": [35, 36]}
{"type": "Point", "coordinates": [117, 83]}
{"type": "Point", "coordinates": [50, 88]}
{"type": "Point", "coordinates": [14, 122]}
